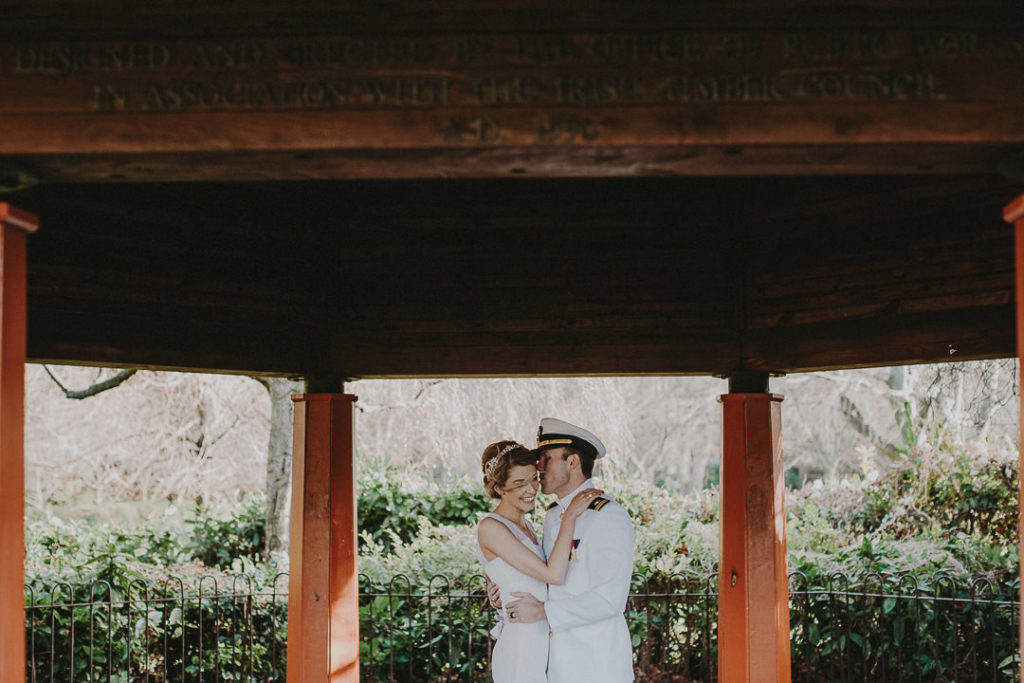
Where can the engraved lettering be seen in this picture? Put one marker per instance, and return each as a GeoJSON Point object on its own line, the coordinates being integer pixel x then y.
{"type": "Point", "coordinates": [875, 44]}
{"type": "Point", "coordinates": [377, 90]}
{"type": "Point", "coordinates": [881, 85]}
{"type": "Point", "coordinates": [722, 88]}
{"type": "Point", "coordinates": [471, 50]}
{"type": "Point", "coordinates": [91, 58]}
{"type": "Point", "coordinates": [480, 130]}
{"type": "Point", "coordinates": [866, 44]}
{"type": "Point", "coordinates": [200, 59]}
{"type": "Point", "coordinates": [838, 46]}
{"type": "Point", "coordinates": [25, 59]}
{"type": "Point", "coordinates": [546, 48]}
{"type": "Point", "coordinates": [357, 52]}
{"type": "Point", "coordinates": [948, 44]}
{"type": "Point", "coordinates": [794, 44]}
{"type": "Point", "coordinates": [739, 45]}
{"type": "Point", "coordinates": [570, 74]}
{"type": "Point", "coordinates": [486, 130]}
{"type": "Point", "coordinates": [109, 98]}
{"type": "Point", "coordinates": [247, 95]}
{"type": "Point", "coordinates": [399, 91]}
{"type": "Point", "coordinates": [645, 47]}
{"type": "Point", "coordinates": [567, 130]}
{"type": "Point", "coordinates": [596, 89]}
{"type": "Point", "coordinates": [398, 52]}
{"type": "Point", "coordinates": [825, 85]}
{"type": "Point", "coordinates": [502, 90]}
{"type": "Point", "coordinates": [241, 54]}
{"type": "Point", "coordinates": [155, 100]}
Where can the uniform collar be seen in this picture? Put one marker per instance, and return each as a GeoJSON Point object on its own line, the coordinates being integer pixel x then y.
{"type": "Point", "coordinates": [564, 502]}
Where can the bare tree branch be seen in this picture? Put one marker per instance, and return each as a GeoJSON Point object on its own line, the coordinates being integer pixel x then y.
{"type": "Point", "coordinates": [97, 388]}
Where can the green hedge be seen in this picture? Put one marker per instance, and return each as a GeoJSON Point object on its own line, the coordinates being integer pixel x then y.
{"type": "Point", "coordinates": [941, 517]}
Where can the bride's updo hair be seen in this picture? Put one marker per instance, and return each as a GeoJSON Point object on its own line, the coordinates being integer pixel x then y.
{"type": "Point", "coordinates": [498, 459]}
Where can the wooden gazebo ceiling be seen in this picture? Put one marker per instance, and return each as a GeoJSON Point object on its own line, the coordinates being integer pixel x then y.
{"type": "Point", "coordinates": [524, 187]}
{"type": "Point", "coordinates": [573, 276]}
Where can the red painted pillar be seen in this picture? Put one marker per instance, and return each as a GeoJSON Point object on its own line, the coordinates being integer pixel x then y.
{"type": "Point", "coordinates": [14, 227]}
{"type": "Point", "coordinates": [753, 588]}
{"type": "Point", "coordinates": [323, 594]}
{"type": "Point", "coordinates": [1014, 213]}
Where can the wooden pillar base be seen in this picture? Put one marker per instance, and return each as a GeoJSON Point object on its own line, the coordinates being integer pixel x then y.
{"type": "Point", "coordinates": [14, 226]}
{"type": "Point", "coordinates": [753, 588]}
{"type": "Point", "coordinates": [323, 593]}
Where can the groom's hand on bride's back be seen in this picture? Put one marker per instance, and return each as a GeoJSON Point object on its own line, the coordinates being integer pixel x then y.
{"type": "Point", "coordinates": [526, 610]}
{"type": "Point", "coordinates": [493, 593]}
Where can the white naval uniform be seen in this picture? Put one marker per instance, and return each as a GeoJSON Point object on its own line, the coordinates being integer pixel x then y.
{"type": "Point", "coordinates": [589, 637]}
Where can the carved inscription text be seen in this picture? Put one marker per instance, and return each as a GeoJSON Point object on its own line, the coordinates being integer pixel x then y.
{"type": "Point", "coordinates": [480, 76]}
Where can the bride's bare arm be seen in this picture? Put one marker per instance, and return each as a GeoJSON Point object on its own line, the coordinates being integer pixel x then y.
{"type": "Point", "coordinates": [497, 541]}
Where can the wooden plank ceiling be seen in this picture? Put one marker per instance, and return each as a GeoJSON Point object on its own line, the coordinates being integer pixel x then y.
{"type": "Point", "coordinates": [529, 187]}
{"type": "Point", "coordinates": [552, 276]}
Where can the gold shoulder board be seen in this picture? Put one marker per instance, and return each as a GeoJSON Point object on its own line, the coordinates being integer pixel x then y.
{"type": "Point", "coordinates": [598, 504]}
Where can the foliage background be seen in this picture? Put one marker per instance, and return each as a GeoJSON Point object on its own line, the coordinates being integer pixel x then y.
{"type": "Point", "coordinates": [939, 511]}
{"type": "Point", "coordinates": [890, 471]}
{"type": "Point", "coordinates": [189, 437]}
{"type": "Point", "coordinates": [920, 459]}
{"type": "Point", "coordinates": [945, 515]}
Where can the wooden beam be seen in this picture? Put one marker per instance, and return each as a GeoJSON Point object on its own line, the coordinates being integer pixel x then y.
{"type": "Point", "coordinates": [198, 92]}
{"type": "Point", "coordinates": [532, 276]}
{"type": "Point", "coordinates": [505, 162]}
{"type": "Point", "coordinates": [973, 333]}
{"type": "Point", "coordinates": [14, 227]}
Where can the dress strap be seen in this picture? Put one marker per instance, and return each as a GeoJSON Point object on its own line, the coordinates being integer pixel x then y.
{"type": "Point", "coordinates": [513, 527]}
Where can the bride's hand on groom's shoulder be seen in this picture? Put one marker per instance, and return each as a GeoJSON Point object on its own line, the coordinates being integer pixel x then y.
{"type": "Point", "coordinates": [581, 501]}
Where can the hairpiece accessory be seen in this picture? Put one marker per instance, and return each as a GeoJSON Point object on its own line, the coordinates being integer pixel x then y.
{"type": "Point", "coordinates": [493, 462]}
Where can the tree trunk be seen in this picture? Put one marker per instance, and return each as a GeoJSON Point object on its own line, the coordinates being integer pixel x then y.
{"type": "Point", "coordinates": [279, 461]}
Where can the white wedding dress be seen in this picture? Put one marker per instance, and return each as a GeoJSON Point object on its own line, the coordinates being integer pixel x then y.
{"type": "Point", "coordinates": [521, 653]}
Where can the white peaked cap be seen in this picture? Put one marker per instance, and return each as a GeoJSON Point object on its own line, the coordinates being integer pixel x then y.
{"type": "Point", "coordinates": [555, 433]}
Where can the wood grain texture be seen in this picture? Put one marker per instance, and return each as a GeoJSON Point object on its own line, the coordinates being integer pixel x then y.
{"type": "Point", "coordinates": [529, 276]}
{"type": "Point", "coordinates": [205, 91]}
{"type": "Point", "coordinates": [603, 162]}
{"type": "Point", "coordinates": [14, 226]}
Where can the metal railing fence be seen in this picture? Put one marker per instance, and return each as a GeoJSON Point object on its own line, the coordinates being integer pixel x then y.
{"type": "Point", "coordinates": [158, 632]}
{"type": "Point", "coordinates": [881, 629]}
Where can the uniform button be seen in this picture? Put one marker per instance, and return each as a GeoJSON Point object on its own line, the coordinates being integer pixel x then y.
{"type": "Point", "coordinates": [550, 634]}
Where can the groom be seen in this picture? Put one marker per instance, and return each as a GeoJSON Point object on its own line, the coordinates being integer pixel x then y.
{"type": "Point", "coordinates": [589, 637]}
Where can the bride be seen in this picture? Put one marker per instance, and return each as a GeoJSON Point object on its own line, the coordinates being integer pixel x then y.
{"type": "Point", "coordinates": [514, 559]}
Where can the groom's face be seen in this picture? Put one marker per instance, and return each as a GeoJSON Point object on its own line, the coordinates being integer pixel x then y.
{"type": "Point", "coordinates": [554, 469]}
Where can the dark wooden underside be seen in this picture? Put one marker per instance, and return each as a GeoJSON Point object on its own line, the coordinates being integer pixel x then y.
{"type": "Point", "coordinates": [489, 277]}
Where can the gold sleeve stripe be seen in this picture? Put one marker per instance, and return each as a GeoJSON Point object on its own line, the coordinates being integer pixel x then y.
{"type": "Point", "coordinates": [552, 442]}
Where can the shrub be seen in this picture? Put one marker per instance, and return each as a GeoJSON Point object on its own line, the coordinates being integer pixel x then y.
{"type": "Point", "coordinates": [391, 502]}
{"type": "Point", "coordinates": [942, 515]}
{"type": "Point", "coordinates": [218, 542]}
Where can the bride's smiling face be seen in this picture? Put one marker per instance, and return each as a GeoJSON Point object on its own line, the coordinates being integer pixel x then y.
{"type": "Point", "coordinates": [520, 488]}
